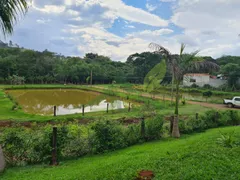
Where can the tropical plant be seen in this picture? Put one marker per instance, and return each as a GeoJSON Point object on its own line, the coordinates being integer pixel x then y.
{"type": "Point", "coordinates": [9, 10]}
{"type": "Point", "coordinates": [180, 65]}
{"type": "Point", "coordinates": [155, 76]}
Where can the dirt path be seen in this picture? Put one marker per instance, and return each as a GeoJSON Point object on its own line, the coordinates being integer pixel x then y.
{"type": "Point", "coordinates": [204, 104]}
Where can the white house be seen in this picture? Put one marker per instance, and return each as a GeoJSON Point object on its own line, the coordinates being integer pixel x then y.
{"type": "Point", "coordinates": [201, 79]}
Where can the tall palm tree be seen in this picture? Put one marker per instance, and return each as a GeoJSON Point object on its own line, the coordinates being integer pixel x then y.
{"type": "Point", "coordinates": [9, 11]}
{"type": "Point", "coordinates": [184, 63]}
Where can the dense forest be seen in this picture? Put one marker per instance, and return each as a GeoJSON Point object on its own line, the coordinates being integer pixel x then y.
{"type": "Point", "coordinates": [48, 67]}
{"type": "Point", "coordinates": [18, 65]}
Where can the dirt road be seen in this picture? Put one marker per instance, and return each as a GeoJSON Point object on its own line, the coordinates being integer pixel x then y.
{"type": "Point", "coordinates": [204, 104]}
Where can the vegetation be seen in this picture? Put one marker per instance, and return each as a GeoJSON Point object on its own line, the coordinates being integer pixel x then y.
{"type": "Point", "coordinates": [199, 156]}
{"type": "Point", "coordinates": [24, 146]}
{"type": "Point", "coordinates": [9, 11]}
{"type": "Point", "coordinates": [180, 65]}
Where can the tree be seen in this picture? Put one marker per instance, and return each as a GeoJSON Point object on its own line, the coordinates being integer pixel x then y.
{"type": "Point", "coordinates": [9, 10]}
{"type": "Point", "coordinates": [180, 65]}
{"type": "Point", "coordinates": [232, 71]}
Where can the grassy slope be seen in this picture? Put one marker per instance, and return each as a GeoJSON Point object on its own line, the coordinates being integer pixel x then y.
{"type": "Point", "coordinates": [191, 157]}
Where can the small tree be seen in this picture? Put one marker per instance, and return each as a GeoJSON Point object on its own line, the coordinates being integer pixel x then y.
{"type": "Point", "coordinates": [207, 94]}
{"type": "Point", "coordinates": [181, 65]}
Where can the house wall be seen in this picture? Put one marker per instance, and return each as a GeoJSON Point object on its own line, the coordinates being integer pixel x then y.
{"type": "Point", "coordinates": [217, 82]}
{"type": "Point", "coordinates": [202, 80]}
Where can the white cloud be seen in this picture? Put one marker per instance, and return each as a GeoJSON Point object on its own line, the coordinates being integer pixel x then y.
{"type": "Point", "coordinates": [150, 7]}
{"type": "Point", "coordinates": [73, 13]}
{"type": "Point", "coordinates": [148, 34]}
{"type": "Point", "coordinates": [51, 9]}
{"type": "Point", "coordinates": [133, 14]}
{"type": "Point", "coordinates": [43, 21]}
{"type": "Point", "coordinates": [212, 26]}
{"type": "Point", "coordinates": [167, 0]}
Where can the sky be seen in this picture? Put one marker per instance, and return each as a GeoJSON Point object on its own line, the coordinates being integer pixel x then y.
{"type": "Point", "coordinates": [119, 28]}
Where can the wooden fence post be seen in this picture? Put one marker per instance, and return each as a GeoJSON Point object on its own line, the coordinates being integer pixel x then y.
{"type": "Point", "coordinates": [107, 107]}
{"type": "Point", "coordinates": [143, 128]}
{"type": "Point", "coordinates": [54, 147]}
{"type": "Point", "coordinates": [171, 124]}
{"type": "Point", "coordinates": [216, 116]}
{"type": "Point", "coordinates": [196, 116]}
{"type": "Point", "coordinates": [129, 107]}
{"type": "Point", "coordinates": [54, 110]}
{"type": "Point", "coordinates": [83, 107]}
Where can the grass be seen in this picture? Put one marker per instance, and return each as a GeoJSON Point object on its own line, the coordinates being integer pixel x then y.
{"type": "Point", "coordinates": [192, 157]}
{"type": "Point", "coordinates": [6, 112]}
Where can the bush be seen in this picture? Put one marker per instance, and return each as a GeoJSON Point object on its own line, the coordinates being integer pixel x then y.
{"type": "Point", "coordinates": [207, 86]}
{"type": "Point", "coordinates": [109, 135]}
{"type": "Point", "coordinates": [78, 142]}
{"type": "Point", "coordinates": [227, 140]}
{"type": "Point", "coordinates": [132, 134]}
{"type": "Point", "coordinates": [192, 125]}
{"type": "Point", "coordinates": [154, 128]}
{"type": "Point", "coordinates": [194, 86]}
{"type": "Point", "coordinates": [23, 146]}
{"type": "Point", "coordinates": [211, 119]}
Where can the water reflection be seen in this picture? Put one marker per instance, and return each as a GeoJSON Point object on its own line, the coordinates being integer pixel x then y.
{"type": "Point", "coordinates": [67, 101]}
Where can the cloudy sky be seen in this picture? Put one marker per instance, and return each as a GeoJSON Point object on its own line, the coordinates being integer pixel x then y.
{"type": "Point", "coordinates": [118, 28]}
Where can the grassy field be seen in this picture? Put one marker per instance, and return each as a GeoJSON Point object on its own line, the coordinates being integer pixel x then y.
{"type": "Point", "coordinates": [6, 112]}
{"type": "Point", "coordinates": [192, 157]}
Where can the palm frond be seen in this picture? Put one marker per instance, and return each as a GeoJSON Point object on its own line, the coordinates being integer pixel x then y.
{"type": "Point", "coordinates": [9, 11]}
{"type": "Point", "coordinates": [159, 49]}
{"type": "Point", "coordinates": [182, 49]}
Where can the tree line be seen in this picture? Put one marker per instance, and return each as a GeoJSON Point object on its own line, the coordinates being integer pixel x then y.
{"type": "Point", "coordinates": [18, 65]}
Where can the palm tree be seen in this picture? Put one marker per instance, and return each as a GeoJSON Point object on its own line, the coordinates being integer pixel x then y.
{"type": "Point", "coordinates": [9, 11]}
{"type": "Point", "coordinates": [180, 65]}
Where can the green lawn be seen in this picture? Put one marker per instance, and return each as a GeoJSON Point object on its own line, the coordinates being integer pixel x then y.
{"type": "Point", "coordinates": [192, 157]}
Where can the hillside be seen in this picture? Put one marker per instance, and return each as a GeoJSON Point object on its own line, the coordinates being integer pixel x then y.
{"type": "Point", "coordinates": [197, 156]}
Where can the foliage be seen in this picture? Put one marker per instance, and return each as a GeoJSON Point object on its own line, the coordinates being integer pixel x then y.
{"type": "Point", "coordinates": [142, 64]}
{"type": "Point", "coordinates": [181, 65]}
{"type": "Point", "coordinates": [207, 86]}
{"type": "Point", "coordinates": [47, 67]}
{"type": "Point", "coordinates": [24, 146]}
{"type": "Point", "coordinates": [207, 94]}
{"type": "Point", "coordinates": [194, 85]}
{"type": "Point", "coordinates": [232, 71]}
{"type": "Point", "coordinates": [9, 11]}
{"type": "Point", "coordinates": [154, 128]}
{"type": "Point", "coordinates": [108, 136]}
{"type": "Point", "coordinates": [155, 76]}
{"type": "Point", "coordinates": [211, 119]}
{"type": "Point", "coordinates": [227, 140]}
{"type": "Point", "coordinates": [198, 157]}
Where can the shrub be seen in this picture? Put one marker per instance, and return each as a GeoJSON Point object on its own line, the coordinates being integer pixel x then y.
{"type": "Point", "coordinates": [210, 118]}
{"type": "Point", "coordinates": [132, 134]}
{"type": "Point", "coordinates": [207, 94]}
{"type": "Point", "coordinates": [227, 140]}
{"type": "Point", "coordinates": [154, 128]}
{"type": "Point", "coordinates": [192, 125]}
{"type": "Point", "coordinates": [78, 141]}
{"type": "Point", "coordinates": [194, 86]}
{"type": "Point", "coordinates": [207, 86]}
{"type": "Point", "coordinates": [183, 101]}
{"type": "Point", "coordinates": [109, 135]}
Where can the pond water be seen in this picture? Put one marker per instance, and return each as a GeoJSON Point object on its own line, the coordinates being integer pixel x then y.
{"type": "Point", "coordinates": [67, 101]}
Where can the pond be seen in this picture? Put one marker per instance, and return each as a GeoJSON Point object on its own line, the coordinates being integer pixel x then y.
{"type": "Point", "coordinates": [67, 101]}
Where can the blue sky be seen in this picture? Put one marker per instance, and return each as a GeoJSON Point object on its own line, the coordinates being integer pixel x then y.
{"type": "Point", "coordinates": [119, 28]}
